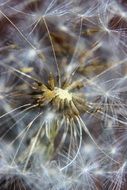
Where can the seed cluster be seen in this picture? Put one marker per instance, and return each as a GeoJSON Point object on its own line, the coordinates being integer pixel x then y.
{"type": "Point", "coordinates": [63, 100]}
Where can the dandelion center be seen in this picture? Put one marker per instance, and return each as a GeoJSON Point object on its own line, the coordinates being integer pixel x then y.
{"type": "Point", "coordinates": [63, 94]}
{"type": "Point", "coordinates": [63, 100]}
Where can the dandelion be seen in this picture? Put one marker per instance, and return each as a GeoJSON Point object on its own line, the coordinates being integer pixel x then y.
{"type": "Point", "coordinates": [63, 95]}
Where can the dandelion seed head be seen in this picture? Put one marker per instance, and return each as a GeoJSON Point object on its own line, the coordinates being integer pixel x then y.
{"type": "Point", "coordinates": [74, 84]}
